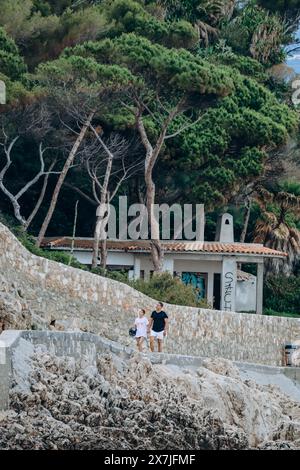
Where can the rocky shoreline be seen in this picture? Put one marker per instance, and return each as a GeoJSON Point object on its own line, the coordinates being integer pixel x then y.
{"type": "Point", "coordinates": [135, 404]}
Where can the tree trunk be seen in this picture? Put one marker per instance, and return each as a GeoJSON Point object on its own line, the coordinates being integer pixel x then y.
{"type": "Point", "coordinates": [96, 240]}
{"type": "Point", "coordinates": [248, 205]}
{"type": "Point", "coordinates": [103, 254]}
{"type": "Point", "coordinates": [17, 212]}
{"type": "Point", "coordinates": [152, 155]}
{"type": "Point", "coordinates": [100, 235]}
{"type": "Point", "coordinates": [40, 199]}
{"type": "Point", "coordinates": [157, 256]}
{"type": "Point", "coordinates": [62, 177]}
{"type": "Point", "coordinates": [156, 249]}
{"type": "Point", "coordinates": [74, 233]}
{"type": "Point", "coordinates": [99, 244]}
{"type": "Point", "coordinates": [15, 204]}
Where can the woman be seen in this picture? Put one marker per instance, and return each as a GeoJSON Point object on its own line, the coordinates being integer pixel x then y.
{"type": "Point", "coordinates": [141, 324]}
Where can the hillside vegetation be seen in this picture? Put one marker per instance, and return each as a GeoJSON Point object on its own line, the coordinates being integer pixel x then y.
{"type": "Point", "coordinates": [161, 101]}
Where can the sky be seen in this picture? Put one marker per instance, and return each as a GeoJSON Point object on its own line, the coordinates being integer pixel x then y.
{"type": "Point", "coordinates": [294, 59]}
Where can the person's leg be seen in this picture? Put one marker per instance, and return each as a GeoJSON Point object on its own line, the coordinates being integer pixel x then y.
{"type": "Point", "coordinates": [160, 345]}
{"type": "Point", "coordinates": [152, 343]}
{"type": "Point", "coordinates": [137, 343]}
{"type": "Point", "coordinates": [141, 339]}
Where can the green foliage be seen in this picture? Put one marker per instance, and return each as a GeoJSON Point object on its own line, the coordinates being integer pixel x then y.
{"type": "Point", "coordinates": [22, 22]}
{"type": "Point", "coordinates": [133, 45]}
{"type": "Point", "coordinates": [290, 186]}
{"type": "Point", "coordinates": [162, 287]}
{"type": "Point", "coordinates": [48, 7]}
{"type": "Point", "coordinates": [159, 67]}
{"type": "Point", "coordinates": [168, 289]}
{"type": "Point", "coordinates": [245, 65]}
{"type": "Point", "coordinates": [12, 70]}
{"type": "Point", "coordinates": [257, 33]}
{"type": "Point", "coordinates": [210, 11]}
{"type": "Point", "coordinates": [14, 14]}
{"type": "Point", "coordinates": [225, 148]}
{"type": "Point", "coordinates": [42, 29]}
{"type": "Point", "coordinates": [274, 313]}
{"type": "Point", "coordinates": [120, 276]}
{"type": "Point", "coordinates": [59, 256]}
{"type": "Point", "coordinates": [11, 63]}
{"type": "Point", "coordinates": [282, 294]}
{"type": "Point", "coordinates": [130, 16]}
{"type": "Point", "coordinates": [7, 44]}
{"type": "Point", "coordinates": [12, 66]}
{"type": "Point", "coordinates": [16, 92]}
{"type": "Point", "coordinates": [282, 6]}
{"type": "Point", "coordinates": [82, 25]}
{"type": "Point", "coordinates": [82, 73]}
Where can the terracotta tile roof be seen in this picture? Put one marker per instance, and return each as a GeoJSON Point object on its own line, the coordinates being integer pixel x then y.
{"type": "Point", "coordinates": [172, 246]}
{"type": "Point", "coordinates": [243, 276]}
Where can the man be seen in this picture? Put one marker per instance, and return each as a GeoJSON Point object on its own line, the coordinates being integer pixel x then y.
{"type": "Point", "coordinates": [158, 326]}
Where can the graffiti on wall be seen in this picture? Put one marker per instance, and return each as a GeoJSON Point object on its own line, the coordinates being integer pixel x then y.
{"type": "Point", "coordinates": [228, 292]}
{"type": "Point", "coordinates": [197, 281]}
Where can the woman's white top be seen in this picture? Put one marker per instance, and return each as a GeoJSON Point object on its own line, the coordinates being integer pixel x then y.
{"type": "Point", "coordinates": [141, 325]}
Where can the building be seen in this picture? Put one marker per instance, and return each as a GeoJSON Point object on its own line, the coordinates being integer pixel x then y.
{"type": "Point", "coordinates": [211, 267]}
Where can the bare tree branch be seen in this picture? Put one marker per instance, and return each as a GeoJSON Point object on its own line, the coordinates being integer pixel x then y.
{"type": "Point", "coordinates": [14, 199]}
{"type": "Point", "coordinates": [41, 197]}
{"type": "Point", "coordinates": [81, 193]}
{"type": "Point", "coordinates": [184, 128]}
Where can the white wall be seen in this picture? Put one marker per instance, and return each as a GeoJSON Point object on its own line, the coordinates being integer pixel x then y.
{"type": "Point", "coordinates": [246, 295]}
{"type": "Point", "coordinates": [114, 258]}
{"type": "Point", "coordinates": [83, 257]}
{"type": "Point", "coordinates": [197, 266]}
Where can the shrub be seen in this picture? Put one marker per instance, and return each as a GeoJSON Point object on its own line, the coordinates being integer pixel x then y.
{"type": "Point", "coordinates": [59, 256]}
{"type": "Point", "coordinates": [270, 312]}
{"type": "Point", "coordinates": [121, 276]}
{"type": "Point", "coordinates": [162, 287]}
{"type": "Point", "coordinates": [171, 290]}
{"type": "Point", "coordinates": [282, 294]}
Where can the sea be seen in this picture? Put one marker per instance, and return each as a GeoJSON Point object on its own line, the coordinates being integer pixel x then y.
{"type": "Point", "coordinates": [293, 59]}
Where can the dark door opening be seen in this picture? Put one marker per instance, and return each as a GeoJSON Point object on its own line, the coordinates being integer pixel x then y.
{"type": "Point", "coordinates": [217, 291]}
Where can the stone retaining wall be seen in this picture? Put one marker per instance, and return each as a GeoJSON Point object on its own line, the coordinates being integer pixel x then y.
{"type": "Point", "coordinates": [78, 299]}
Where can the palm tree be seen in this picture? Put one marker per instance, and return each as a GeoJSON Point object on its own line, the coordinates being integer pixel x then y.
{"type": "Point", "coordinates": [277, 228]}
{"type": "Point", "coordinates": [206, 15]}
{"type": "Point", "coordinates": [268, 38]}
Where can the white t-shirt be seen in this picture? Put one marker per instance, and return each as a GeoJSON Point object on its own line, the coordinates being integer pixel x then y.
{"type": "Point", "coordinates": [141, 325]}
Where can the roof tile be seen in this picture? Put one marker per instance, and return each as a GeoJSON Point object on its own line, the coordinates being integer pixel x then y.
{"type": "Point", "coordinates": [169, 246]}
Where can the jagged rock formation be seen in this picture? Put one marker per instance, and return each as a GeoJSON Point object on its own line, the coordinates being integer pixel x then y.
{"type": "Point", "coordinates": [135, 404]}
{"type": "Point", "coordinates": [14, 311]}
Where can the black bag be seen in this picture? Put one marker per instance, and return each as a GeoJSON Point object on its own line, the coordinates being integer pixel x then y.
{"type": "Point", "coordinates": [132, 331]}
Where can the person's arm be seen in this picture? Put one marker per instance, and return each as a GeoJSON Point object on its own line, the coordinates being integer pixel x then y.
{"type": "Point", "coordinates": [166, 326]}
{"type": "Point", "coordinates": [150, 324]}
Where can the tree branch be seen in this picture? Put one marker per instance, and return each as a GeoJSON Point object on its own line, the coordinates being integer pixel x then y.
{"type": "Point", "coordinates": [81, 193]}
{"type": "Point", "coordinates": [184, 128]}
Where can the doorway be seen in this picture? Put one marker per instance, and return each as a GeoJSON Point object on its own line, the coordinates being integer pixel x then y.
{"type": "Point", "coordinates": [217, 291]}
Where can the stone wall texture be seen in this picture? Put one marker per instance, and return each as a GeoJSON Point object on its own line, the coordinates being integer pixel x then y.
{"type": "Point", "coordinates": [80, 300]}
